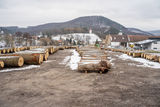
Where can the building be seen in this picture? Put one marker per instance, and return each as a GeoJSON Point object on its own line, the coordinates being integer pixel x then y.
{"type": "Point", "coordinates": [137, 41]}
{"type": "Point", "coordinates": [152, 43]}
{"type": "Point", "coordinates": [117, 40]}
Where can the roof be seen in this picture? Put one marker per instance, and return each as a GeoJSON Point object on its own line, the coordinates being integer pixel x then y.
{"type": "Point", "coordinates": [119, 38]}
{"type": "Point", "coordinates": [145, 41]}
{"type": "Point", "coordinates": [136, 38]}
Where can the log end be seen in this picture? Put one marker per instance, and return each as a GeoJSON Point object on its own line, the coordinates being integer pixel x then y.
{"type": "Point", "coordinates": [1, 64]}
{"type": "Point", "coordinates": [20, 61]}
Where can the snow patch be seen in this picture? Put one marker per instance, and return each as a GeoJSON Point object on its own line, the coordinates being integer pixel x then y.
{"type": "Point", "coordinates": [79, 36]}
{"type": "Point", "coordinates": [74, 60]}
{"type": "Point", "coordinates": [22, 68]}
{"type": "Point", "coordinates": [144, 62]}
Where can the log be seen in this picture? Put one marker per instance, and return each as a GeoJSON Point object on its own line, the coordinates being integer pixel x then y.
{"type": "Point", "coordinates": [1, 64]}
{"type": "Point", "coordinates": [101, 66]}
{"type": "Point", "coordinates": [156, 58]}
{"type": "Point", "coordinates": [42, 51]}
{"type": "Point", "coordinates": [3, 51]}
{"type": "Point", "coordinates": [12, 61]}
{"type": "Point", "coordinates": [35, 58]}
{"type": "Point", "coordinates": [136, 54]}
{"type": "Point", "coordinates": [29, 58]}
{"type": "Point", "coordinates": [142, 55]}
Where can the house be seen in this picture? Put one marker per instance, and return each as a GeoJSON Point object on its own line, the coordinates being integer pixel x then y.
{"type": "Point", "coordinates": [117, 40]}
{"type": "Point", "coordinates": [124, 41]}
{"type": "Point", "coordinates": [152, 43]}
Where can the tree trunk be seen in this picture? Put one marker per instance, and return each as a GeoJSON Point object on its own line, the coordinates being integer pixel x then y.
{"type": "Point", "coordinates": [12, 61]}
{"type": "Point", "coordinates": [29, 58]}
{"type": "Point", "coordinates": [101, 66]}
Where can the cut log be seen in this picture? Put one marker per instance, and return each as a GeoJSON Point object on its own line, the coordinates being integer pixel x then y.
{"type": "Point", "coordinates": [136, 54]}
{"type": "Point", "coordinates": [101, 66]}
{"type": "Point", "coordinates": [42, 51]}
{"type": "Point", "coordinates": [142, 55]}
{"type": "Point", "coordinates": [12, 61]}
{"type": "Point", "coordinates": [35, 59]}
{"type": "Point", "coordinates": [156, 58]}
{"type": "Point", "coordinates": [29, 58]}
{"type": "Point", "coordinates": [1, 64]}
{"type": "Point", "coordinates": [3, 51]}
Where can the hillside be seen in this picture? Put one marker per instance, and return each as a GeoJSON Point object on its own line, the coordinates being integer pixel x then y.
{"type": "Point", "coordinates": [155, 32]}
{"type": "Point", "coordinates": [100, 25]}
{"type": "Point", "coordinates": [138, 31]}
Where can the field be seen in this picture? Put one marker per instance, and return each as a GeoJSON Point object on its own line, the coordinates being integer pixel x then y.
{"type": "Point", "coordinates": [54, 85]}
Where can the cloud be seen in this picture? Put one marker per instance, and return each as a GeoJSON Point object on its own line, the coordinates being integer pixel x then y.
{"type": "Point", "coordinates": [138, 13]}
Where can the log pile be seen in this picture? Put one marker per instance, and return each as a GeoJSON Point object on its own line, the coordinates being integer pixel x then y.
{"type": "Point", "coordinates": [149, 56]}
{"type": "Point", "coordinates": [16, 57]}
{"type": "Point", "coordinates": [32, 55]}
{"type": "Point", "coordinates": [93, 60]}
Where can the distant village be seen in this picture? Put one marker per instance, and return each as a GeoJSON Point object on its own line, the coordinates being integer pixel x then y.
{"type": "Point", "coordinates": [120, 41]}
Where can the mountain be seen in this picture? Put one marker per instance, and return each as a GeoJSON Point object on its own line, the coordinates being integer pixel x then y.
{"type": "Point", "coordinates": [155, 32]}
{"type": "Point", "coordinates": [99, 24]}
{"type": "Point", "coordinates": [138, 31]}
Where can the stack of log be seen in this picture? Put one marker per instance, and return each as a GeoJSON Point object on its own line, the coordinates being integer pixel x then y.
{"type": "Point", "coordinates": [25, 55]}
{"type": "Point", "coordinates": [93, 60]}
{"type": "Point", "coordinates": [149, 56]}
{"type": "Point", "coordinates": [32, 55]}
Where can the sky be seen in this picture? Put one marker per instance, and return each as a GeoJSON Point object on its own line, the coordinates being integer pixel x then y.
{"type": "Point", "coordinates": [142, 14]}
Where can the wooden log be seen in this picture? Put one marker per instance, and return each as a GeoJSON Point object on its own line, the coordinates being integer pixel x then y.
{"type": "Point", "coordinates": [43, 51]}
{"type": "Point", "coordinates": [49, 49]}
{"type": "Point", "coordinates": [14, 49]}
{"type": "Point", "coordinates": [101, 66]}
{"type": "Point", "coordinates": [135, 54]}
{"type": "Point", "coordinates": [3, 51]}
{"type": "Point", "coordinates": [12, 61]}
{"type": "Point", "coordinates": [156, 58]}
{"type": "Point", "coordinates": [33, 58]}
{"type": "Point", "coordinates": [1, 64]}
{"type": "Point", "coordinates": [29, 58]}
{"type": "Point", "coordinates": [61, 48]}
{"type": "Point", "coordinates": [142, 55]}
{"type": "Point", "coordinates": [8, 50]}
{"type": "Point", "coordinates": [130, 53]}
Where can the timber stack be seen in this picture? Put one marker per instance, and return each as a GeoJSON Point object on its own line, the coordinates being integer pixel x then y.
{"type": "Point", "coordinates": [138, 53]}
{"type": "Point", "coordinates": [34, 55]}
{"type": "Point", "coordinates": [93, 60]}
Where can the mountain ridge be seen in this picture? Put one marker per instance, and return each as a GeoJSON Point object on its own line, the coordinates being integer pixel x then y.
{"type": "Point", "coordinates": [100, 25]}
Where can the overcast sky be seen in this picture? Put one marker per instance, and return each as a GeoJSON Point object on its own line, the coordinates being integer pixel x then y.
{"type": "Point", "coordinates": [143, 14]}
